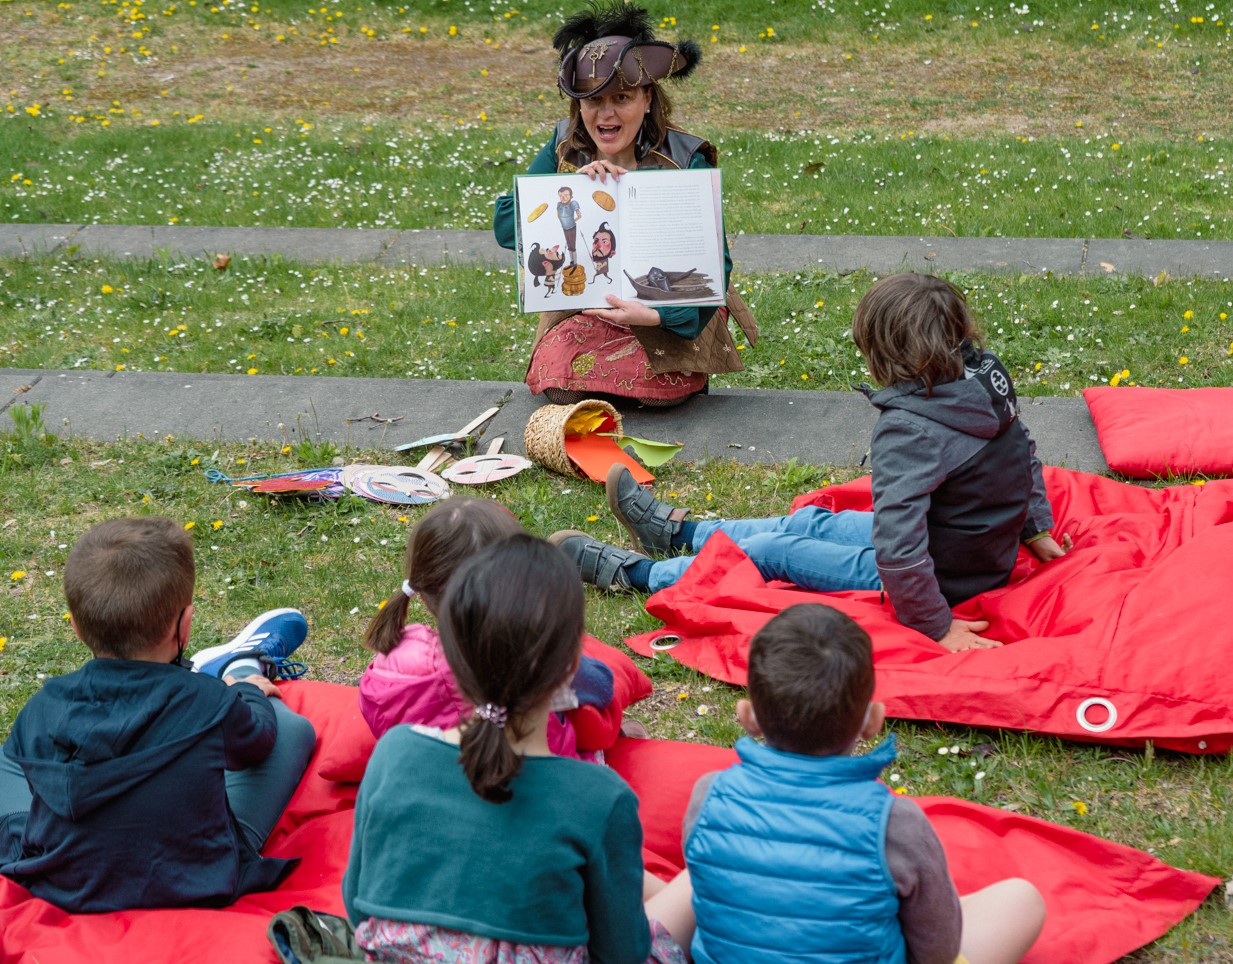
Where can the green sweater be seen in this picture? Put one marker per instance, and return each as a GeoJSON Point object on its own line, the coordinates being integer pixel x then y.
{"type": "Point", "coordinates": [559, 864]}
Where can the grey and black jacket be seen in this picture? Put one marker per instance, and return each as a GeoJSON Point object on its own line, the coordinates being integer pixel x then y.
{"type": "Point", "coordinates": [956, 487]}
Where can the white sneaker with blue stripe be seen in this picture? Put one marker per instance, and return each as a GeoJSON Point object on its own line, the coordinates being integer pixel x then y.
{"type": "Point", "coordinates": [269, 639]}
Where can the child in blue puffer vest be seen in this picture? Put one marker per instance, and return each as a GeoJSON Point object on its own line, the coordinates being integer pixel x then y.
{"type": "Point", "coordinates": [800, 853]}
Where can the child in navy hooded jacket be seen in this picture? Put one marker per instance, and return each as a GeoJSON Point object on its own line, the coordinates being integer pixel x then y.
{"type": "Point", "coordinates": [112, 786]}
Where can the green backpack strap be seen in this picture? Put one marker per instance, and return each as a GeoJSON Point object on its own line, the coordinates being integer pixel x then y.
{"type": "Point", "coordinates": [303, 936]}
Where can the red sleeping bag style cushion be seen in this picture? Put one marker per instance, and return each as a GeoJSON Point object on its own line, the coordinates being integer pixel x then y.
{"type": "Point", "coordinates": [1158, 433]}
{"type": "Point", "coordinates": [1121, 641]}
{"type": "Point", "coordinates": [1103, 899]}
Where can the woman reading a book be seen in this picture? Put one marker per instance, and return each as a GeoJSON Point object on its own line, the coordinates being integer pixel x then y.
{"type": "Point", "coordinates": [619, 120]}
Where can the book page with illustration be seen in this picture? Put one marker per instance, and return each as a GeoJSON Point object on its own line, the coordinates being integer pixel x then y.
{"type": "Point", "coordinates": [650, 236]}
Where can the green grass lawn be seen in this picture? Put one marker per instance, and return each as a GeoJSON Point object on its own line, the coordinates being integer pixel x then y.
{"type": "Point", "coordinates": [339, 561]}
{"type": "Point", "coordinates": [270, 316]}
{"type": "Point", "coordinates": [1061, 118]}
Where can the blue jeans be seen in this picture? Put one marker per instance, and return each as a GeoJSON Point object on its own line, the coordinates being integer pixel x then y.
{"type": "Point", "coordinates": [257, 795]}
{"type": "Point", "coordinates": [812, 548]}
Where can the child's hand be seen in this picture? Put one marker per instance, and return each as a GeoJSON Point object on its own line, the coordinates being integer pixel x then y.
{"type": "Point", "coordinates": [963, 635]}
{"type": "Point", "coordinates": [259, 681]}
{"type": "Point", "coordinates": [1046, 548]}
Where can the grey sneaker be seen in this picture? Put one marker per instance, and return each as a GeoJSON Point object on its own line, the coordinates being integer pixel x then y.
{"type": "Point", "coordinates": [601, 565]}
{"type": "Point", "coordinates": [651, 524]}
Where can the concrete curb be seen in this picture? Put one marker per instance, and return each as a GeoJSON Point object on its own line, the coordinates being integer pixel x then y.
{"type": "Point", "coordinates": [747, 425]}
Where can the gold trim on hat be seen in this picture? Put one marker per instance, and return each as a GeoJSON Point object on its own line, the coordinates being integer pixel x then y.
{"type": "Point", "coordinates": [595, 52]}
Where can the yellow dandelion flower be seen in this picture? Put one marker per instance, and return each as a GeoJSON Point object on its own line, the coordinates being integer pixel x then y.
{"type": "Point", "coordinates": [106, 289]}
{"type": "Point", "coordinates": [1188, 314]}
{"type": "Point", "coordinates": [3, 640]}
{"type": "Point", "coordinates": [683, 695]}
{"type": "Point", "coordinates": [1079, 807]}
{"type": "Point", "coordinates": [1183, 360]}
{"type": "Point", "coordinates": [189, 525]}
{"type": "Point", "coordinates": [17, 574]}
{"type": "Point", "coordinates": [592, 518]}
{"type": "Point", "coordinates": [217, 524]}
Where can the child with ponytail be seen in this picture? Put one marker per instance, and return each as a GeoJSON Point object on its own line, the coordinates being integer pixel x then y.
{"type": "Point", "coordinates": [408, 680]}
{"type": "Point", "coordinates": [475, 842]}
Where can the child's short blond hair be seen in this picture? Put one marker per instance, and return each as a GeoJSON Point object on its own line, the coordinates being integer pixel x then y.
{"type": "Point", "coordinates": [127, 581]}
{"type": "Point", "coordinates": [911, 327]}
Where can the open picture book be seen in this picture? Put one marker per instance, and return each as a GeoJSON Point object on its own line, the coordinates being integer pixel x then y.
{"type": "Point", "coordinates": [651, 236]}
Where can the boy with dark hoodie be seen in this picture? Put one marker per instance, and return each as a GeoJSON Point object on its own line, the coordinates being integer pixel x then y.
{"type": "Point", "coordinates": [956, 483]}
{"type": "Point", "coordinates": [112, 787]}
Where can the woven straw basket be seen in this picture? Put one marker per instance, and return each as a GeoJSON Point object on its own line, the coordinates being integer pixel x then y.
{"type": "Point", "coordinates": [544, 439]}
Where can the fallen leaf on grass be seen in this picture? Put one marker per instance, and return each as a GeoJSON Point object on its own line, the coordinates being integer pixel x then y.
{"type": "Point", "coordinates": [1108, 267]}
{"type": "Point", "coordinates": [222, 262]}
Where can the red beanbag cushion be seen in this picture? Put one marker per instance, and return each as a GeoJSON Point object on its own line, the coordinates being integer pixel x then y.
{"type": "Point", "coordinates": [1149, 433]}
{"type": "Point", "coordinates": [345, 758]}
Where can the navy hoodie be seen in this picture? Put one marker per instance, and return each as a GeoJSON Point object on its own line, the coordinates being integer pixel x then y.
{"type": "Point", "coordinates": [956, 487]}
{"type": "Point", "coordinates": [126, 762]}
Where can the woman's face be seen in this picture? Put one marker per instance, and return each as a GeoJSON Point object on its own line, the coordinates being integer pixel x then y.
{"type": "Point", "coordinates": [613, 120]}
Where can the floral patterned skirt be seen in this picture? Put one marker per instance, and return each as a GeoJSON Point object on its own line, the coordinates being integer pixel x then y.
{"type": "Point", "coordinates": [400, 942]}
{"type": "Point", "coordinates": [587, 354]}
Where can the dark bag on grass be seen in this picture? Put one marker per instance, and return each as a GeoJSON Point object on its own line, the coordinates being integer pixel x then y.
{"type": "Point", "coordinates": [303, 936]}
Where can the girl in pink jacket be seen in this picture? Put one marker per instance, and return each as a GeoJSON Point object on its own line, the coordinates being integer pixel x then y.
{"type": "Point", "coordinates": [408, 680]}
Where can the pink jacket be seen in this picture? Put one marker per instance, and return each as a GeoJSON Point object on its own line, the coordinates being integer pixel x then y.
{"type": "Point", "coordinates": [413, 684]}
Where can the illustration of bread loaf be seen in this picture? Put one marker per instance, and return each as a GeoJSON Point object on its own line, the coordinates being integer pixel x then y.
{"type": "Point", "coordinates": [574, 280]}
{"type": "Point", "coordinates": [604, 200]}
{"type": "Point", "coordinates": [536, 213]}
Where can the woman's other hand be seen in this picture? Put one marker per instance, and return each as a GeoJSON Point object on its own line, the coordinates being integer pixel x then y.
{"type": "Point", "coordinates": [628, 314]}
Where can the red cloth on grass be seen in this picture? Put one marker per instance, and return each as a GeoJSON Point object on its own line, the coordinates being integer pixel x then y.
{"type": "Point", "coordinates": [1132, 616]}
{"type": "Point", "coordinates": [1104, 900]}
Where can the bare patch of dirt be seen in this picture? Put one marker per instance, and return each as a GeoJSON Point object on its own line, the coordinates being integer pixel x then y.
{"type": "Point", "coordinates": [1020, 86]}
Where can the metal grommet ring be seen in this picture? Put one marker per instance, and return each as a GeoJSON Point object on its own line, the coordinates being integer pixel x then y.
{"type": "Point", "coordinates": [661, 644]}
{"type": "Point", "coordinates": [1081, 714]}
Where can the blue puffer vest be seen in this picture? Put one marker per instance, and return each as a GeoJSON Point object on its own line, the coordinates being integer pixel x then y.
{"type": "Point", "coordinates": [788, 861]}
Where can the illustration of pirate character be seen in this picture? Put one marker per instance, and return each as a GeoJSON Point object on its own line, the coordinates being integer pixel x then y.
{"type": "Point", "coordinates": [603, 247]}
{"type": "Point", "coordinates": [545, 264]}
{"type": "Point", "coordinates": [569, 214]}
